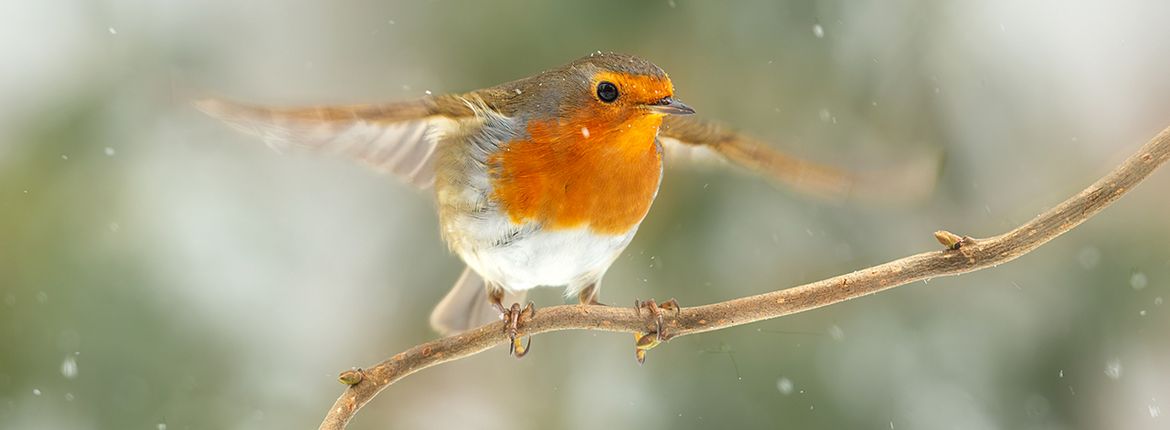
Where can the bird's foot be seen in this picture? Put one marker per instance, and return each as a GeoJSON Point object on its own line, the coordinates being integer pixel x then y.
{"type": "Point", "coordinates": [588, 296]}
{"type": "Point", "coordinates": [513, 319]}
{"type": "Point", "coordinates": [646, 341]}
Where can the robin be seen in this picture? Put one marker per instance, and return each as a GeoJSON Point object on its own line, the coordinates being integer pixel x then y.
{"type": "Point", "coordinates": [541, 181]}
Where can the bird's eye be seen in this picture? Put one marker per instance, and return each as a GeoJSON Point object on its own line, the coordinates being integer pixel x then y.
{"type": "Point", "coordinates": [607, 92]}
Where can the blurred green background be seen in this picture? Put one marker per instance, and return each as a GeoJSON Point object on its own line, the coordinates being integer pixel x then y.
{"type": "Point", "coordinates": [159, 271]}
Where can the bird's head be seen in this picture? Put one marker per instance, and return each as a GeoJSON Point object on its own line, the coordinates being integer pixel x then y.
{"type": "Point", "coordinates": [617, 85]}
{"type": "Point", "coordinates": [601, 93]}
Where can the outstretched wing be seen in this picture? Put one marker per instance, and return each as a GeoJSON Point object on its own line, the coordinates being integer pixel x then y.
{"type": "Point", "coordinates": [689, 139]}
{"type": "Point", "coordinates": [398, 138]}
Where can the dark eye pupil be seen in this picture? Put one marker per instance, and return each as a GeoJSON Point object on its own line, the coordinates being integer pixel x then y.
{"type": "Point", "coordinates": [607, 92]}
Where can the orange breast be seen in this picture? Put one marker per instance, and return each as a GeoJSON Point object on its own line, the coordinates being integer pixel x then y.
{"type": "Point", "coordinates": [572, 173]}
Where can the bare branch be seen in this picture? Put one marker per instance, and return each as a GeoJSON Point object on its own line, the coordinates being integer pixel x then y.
{"type": "Point", "coordinates": [962, 255]}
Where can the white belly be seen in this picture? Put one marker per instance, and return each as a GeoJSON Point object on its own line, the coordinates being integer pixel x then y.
{"type": "Point", "coordinates": [574, 258]}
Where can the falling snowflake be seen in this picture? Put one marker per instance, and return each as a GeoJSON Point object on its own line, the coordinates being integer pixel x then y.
{"type": "Point", "coordinates": [1113, 369]}
{"type": "Point", "coordinates": [785, 386]}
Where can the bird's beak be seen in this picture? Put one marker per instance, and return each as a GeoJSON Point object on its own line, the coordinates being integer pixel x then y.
{"type": "Point", "coordinates": [670, 106]}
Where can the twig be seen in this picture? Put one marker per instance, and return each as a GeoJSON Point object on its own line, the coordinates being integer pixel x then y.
{"type": "Point", "coordinates": [962, 255]}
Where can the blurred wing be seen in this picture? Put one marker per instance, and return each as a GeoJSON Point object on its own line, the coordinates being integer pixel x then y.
{"type": "Point", "coordinates": [686, 139]}
{"type": "Point", "coordinates": [398, 138]}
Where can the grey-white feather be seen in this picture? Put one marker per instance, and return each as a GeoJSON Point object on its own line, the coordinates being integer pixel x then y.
{"type": "Point", "coordinates": [404, 148]}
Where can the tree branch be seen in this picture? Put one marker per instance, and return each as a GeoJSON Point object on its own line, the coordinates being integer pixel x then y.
{"type": "Point", "coordinates": [962, 255]}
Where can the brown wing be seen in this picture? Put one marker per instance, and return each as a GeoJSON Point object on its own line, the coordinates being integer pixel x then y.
{"type": "Point", "coordinates": [689, 139]}
{"type": "Point", "coordinates": [397, 138]}
{"type": "Point", "coordinates": [910, 180]}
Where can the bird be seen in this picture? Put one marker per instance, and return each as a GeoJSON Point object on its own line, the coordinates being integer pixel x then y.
{"type": "Point", "coordinates": [541, 181]}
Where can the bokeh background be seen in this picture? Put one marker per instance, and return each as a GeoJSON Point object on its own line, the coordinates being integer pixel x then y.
{"type": "Point", "coordinates": [160, 271]}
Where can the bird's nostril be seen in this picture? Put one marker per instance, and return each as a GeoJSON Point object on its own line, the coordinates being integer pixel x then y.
{"type": "Point", "coordinates": [663, 101]}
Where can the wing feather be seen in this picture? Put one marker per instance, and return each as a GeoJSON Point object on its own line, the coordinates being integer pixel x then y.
{"type": "Point", "coordinates": [690, 140]}
{"type": "Point", "coordinates": [397, 138]}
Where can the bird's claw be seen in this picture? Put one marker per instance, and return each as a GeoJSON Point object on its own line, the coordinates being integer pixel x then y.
{"type": "Point", "coordinates": [646, 341]}
{"type": "Point", "coordinates": [513, 317]}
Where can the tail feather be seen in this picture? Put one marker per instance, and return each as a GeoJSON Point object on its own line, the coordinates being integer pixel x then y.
{"type": "Point", "coordinates": [466, 306]}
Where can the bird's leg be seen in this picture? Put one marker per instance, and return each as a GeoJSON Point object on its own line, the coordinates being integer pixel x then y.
{"type": "Point", "coordinates": [588, 295]}
{"type": "Point", "coordinates": [646, 341]}
{"type": "Point", "coordinates": [512, 321]}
